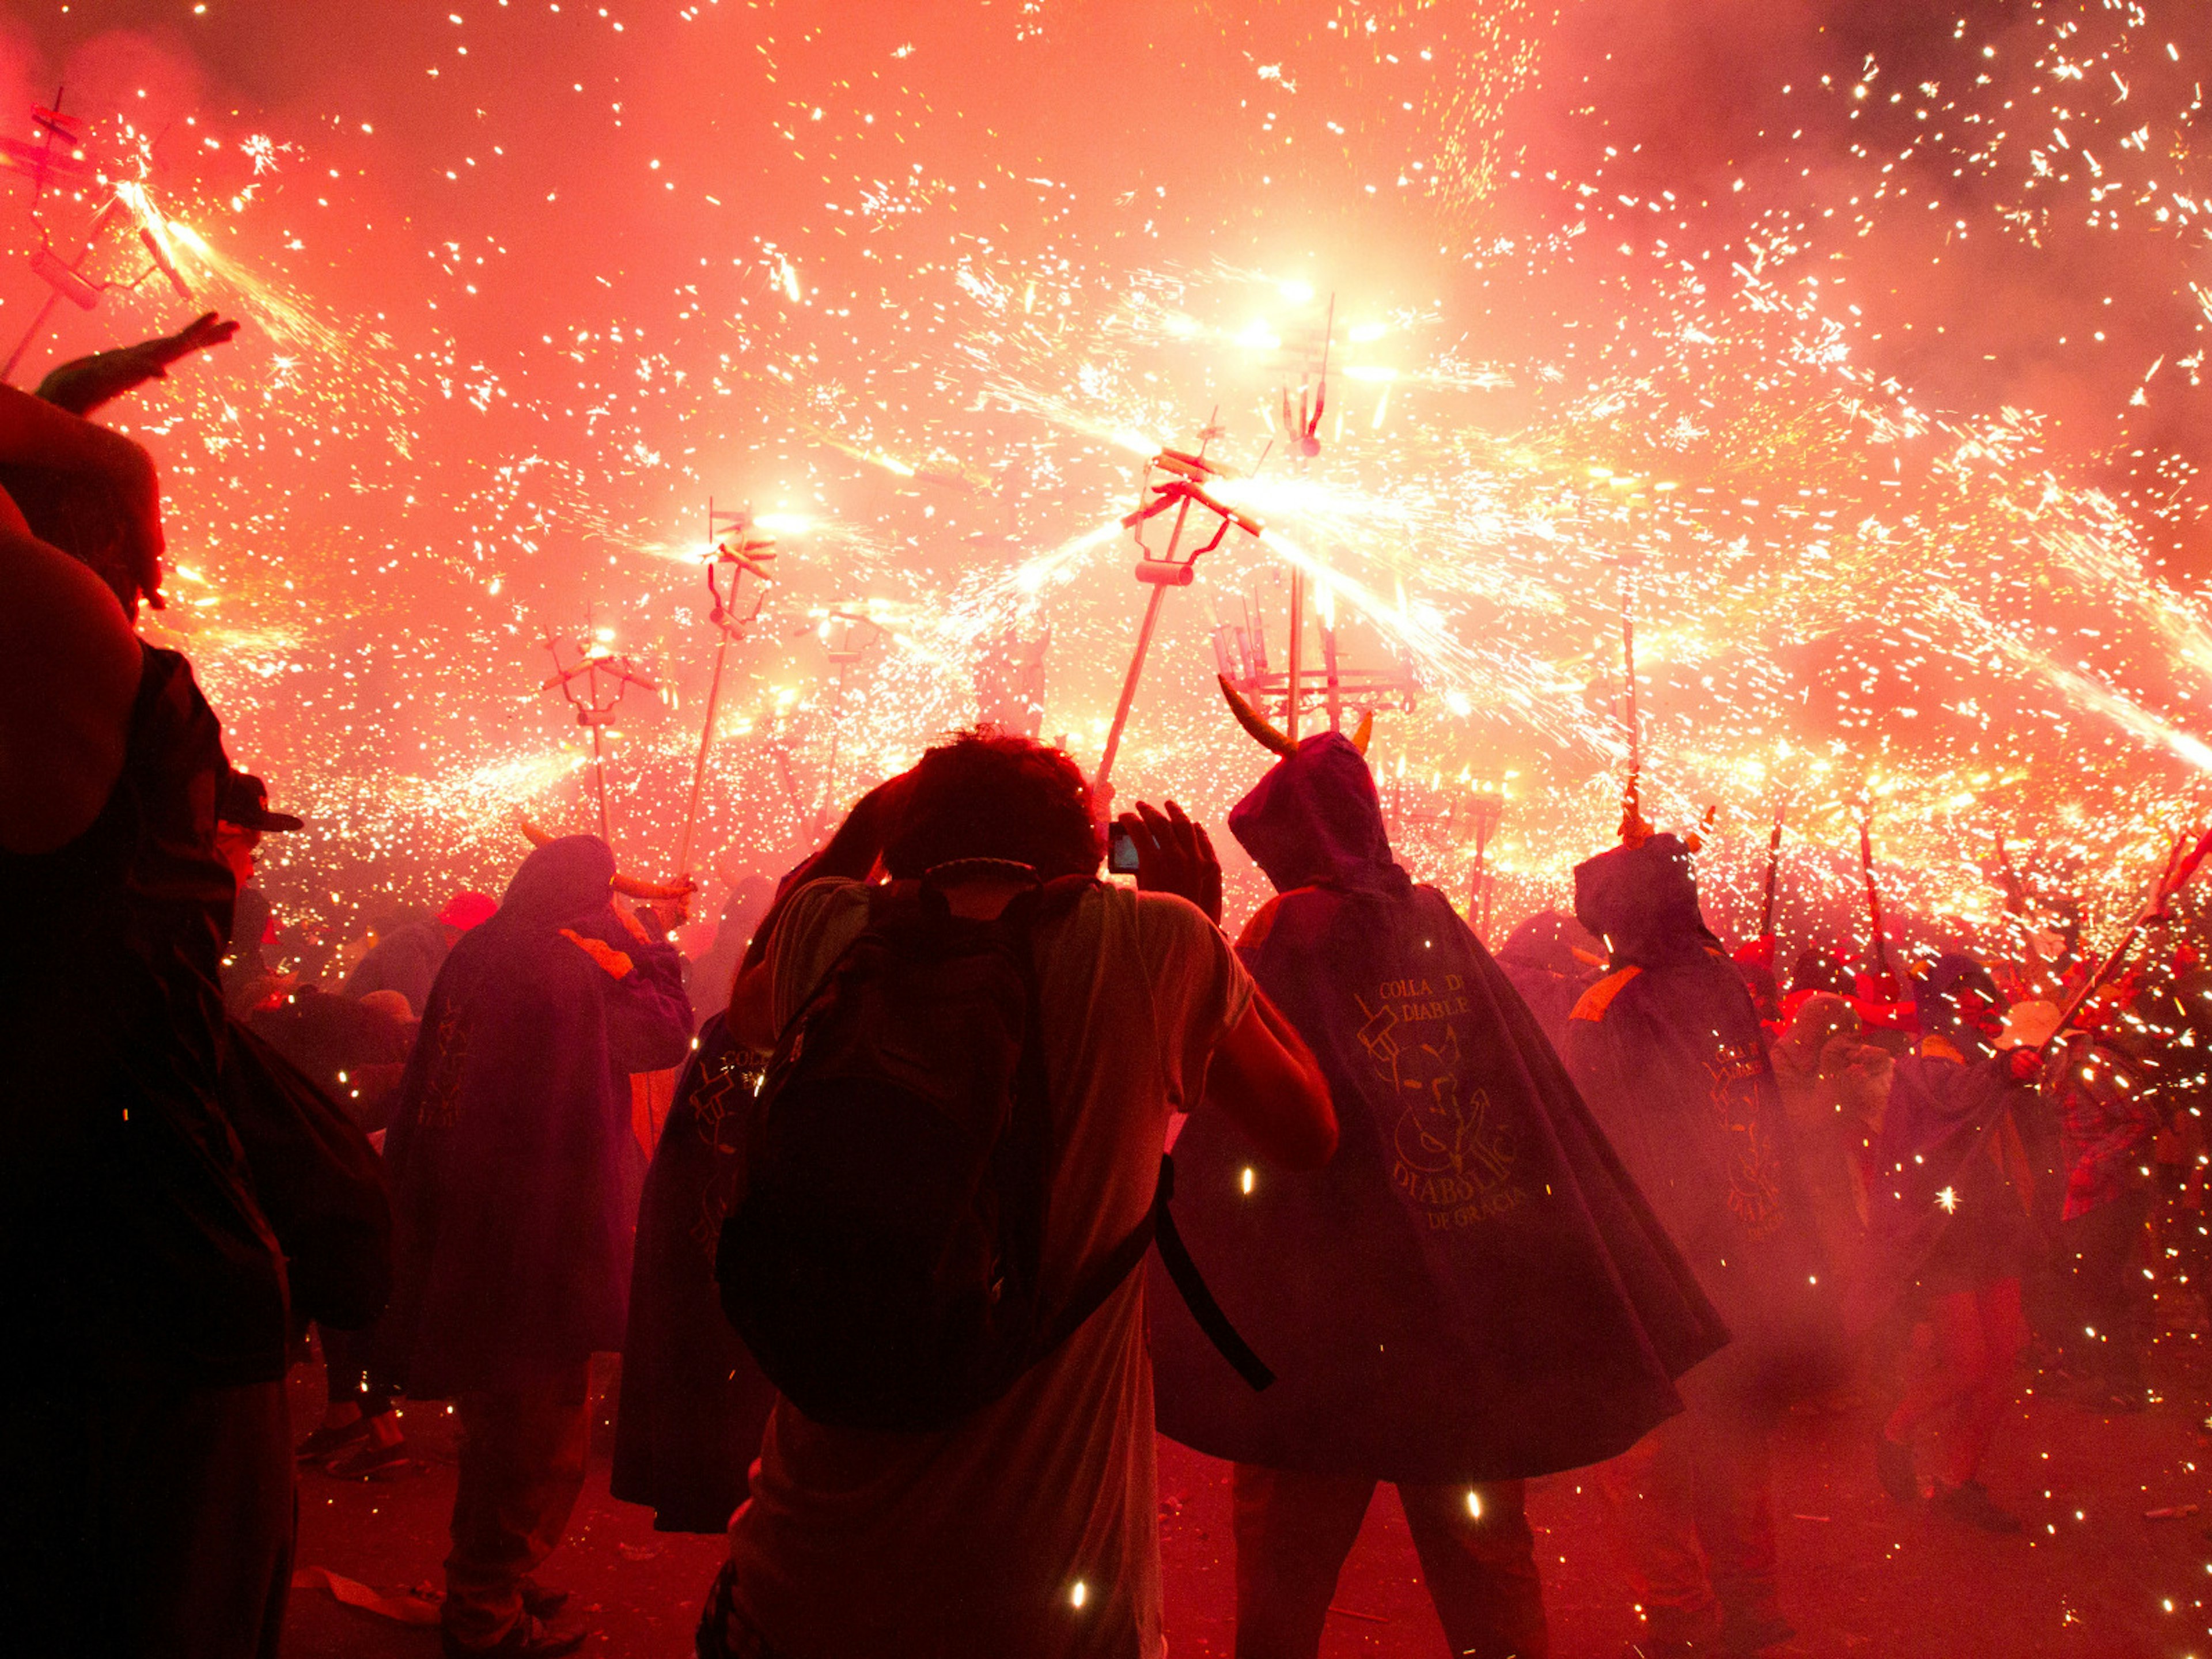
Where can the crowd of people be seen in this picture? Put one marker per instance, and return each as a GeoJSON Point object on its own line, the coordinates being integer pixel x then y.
{"type": "Point", "coordinates": [973, 1164]}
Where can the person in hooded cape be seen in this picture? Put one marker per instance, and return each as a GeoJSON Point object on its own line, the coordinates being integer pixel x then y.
{"type": "Point", "coordinates": [1668, 1052]}
{"type": "Point", "coordinates": [512, 1243]}
{"type": "Point", "coordinates": [1953, 1213]}
{"type": "Point", "coordinates": [693, 1401]}
{"type": "Point", "coordinates": [1552, 959]}
{"type": "Point", "coordinates": [1470, 1293]}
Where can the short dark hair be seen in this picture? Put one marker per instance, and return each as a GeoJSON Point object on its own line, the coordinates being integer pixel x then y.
{"type": "Point", "coordinates": [990, 794]}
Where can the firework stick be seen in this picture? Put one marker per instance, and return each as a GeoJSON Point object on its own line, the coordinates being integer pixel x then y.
{"type": "Point", "coordinates": [699, 768]}
{"type": "Point", "coordinates": [1632, 807]}
{"type": "Point", "coordinates": [1773, 874]}
{"type": "Point", "coordinates": [1877, 947]}
{"type": "Point", "coordinates": [1102, 785]}
{"type": "Point", "coordinates": [599, 785]}
{"type": "Point", "coordinates": [2180, 865]}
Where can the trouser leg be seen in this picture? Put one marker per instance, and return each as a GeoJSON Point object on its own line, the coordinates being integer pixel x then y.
{"type": "Point", "coordinates": [1650, 1492]}
{"type": "Point", "coordinates": [1479, 1560]}
{"type": "Point", "coordinates": [1735, 1521]}
{"type": "Point", "coordinates": [1293, 1531]}
{"type": "Point", "coordinates": [1999, 1333]}
{"type": "Point", "coordinates": [521, 1470]}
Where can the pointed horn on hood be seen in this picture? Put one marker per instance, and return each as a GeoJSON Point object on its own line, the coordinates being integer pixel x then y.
{"type": "Point", "coordinates": [628, 886]}
{"type": "Point", "coordinates": [632, 887]}
{"type": "Point", "coordinates": [1249, 718]}
{"type": "Point", "coordinates": [1364, 730]}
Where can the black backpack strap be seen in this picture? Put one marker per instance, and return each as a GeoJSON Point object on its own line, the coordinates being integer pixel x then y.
{"type": "Point", "coordinates": [1198, 1299]}
{"type": "Point", "coordinates": [1038, 904]}
{"type": "Point", "coordinates": [1158, 1228]}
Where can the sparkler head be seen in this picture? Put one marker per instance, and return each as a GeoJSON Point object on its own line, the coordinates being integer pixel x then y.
{"type": "Point", "coordinates": [741, 555]}
{"type": "Point", "coordinates": [1183, 488]}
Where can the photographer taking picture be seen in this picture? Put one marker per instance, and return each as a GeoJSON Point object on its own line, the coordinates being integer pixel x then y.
{"type": "Point", "coordinates": [1013, 1509]}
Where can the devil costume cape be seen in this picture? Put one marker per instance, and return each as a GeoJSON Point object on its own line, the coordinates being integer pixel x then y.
{"type": "Point", "coordinates": [1951, 1206]}
{"type": "Point", "coordinates": [693, 1400]}
{"type": "Point", "coordinates": [506, 1157]}
{"type": "Point", "coordinates": [1471, 1290]}
{"type": "Point", "coordinates": [1668, 1052]}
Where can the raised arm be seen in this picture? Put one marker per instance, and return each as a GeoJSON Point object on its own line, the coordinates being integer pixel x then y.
{"type": "Point", "coordinates": [849, 855]}
{"type": "Point", "coordinates": [1262, 1074]}
{"type": "Point", "coordinates": [1270, 1085]}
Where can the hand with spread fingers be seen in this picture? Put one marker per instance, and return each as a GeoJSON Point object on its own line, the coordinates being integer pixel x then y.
{"type": "Point", "coordinates": [83, 384]}
{"type": "Point", "coordinates": [1173, 855]}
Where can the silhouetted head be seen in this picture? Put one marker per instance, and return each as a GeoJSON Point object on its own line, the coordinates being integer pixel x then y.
{"type": "Point", "coordinates": [1642, 902]}
{"type": "Point", "coordinates": [992, 795]}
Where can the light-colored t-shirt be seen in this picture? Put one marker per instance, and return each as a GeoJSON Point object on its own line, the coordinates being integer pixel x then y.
{"type": "Point", "coordinates": [1032, 1528]}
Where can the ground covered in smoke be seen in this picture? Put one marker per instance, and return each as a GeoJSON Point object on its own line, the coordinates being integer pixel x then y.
{"type": "Point", "coordinates": [2098, 1575]}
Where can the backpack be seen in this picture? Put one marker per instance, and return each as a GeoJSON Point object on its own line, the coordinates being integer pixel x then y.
{"type": "Point", "coordinates": [882, 1265]}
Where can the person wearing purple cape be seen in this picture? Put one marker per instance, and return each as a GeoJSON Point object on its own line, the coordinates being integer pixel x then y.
{"type": "Point", "coordinates": [1471, 1293]}
{"type": "Point", "coordinates": [1668, 1052]}
{"type": "Point", "coordinates": [507, 1161]}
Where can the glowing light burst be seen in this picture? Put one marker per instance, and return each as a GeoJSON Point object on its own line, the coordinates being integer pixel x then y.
{"type": "Point", "coordinates": [1849, 580]}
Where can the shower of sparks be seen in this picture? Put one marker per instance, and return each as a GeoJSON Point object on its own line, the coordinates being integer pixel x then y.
{"type": "Point", "coordinates": [937, 365]}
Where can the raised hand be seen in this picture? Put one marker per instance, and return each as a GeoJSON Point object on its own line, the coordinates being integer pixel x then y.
{"type": "Point", "coordinates": [83, 384]}
{"type": "Point", "coordinates": [1175, 855]}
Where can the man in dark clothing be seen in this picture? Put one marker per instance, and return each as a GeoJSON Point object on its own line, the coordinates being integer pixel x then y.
{"type": "Point", "coordinates": [1470, 1293]}
{"type": "Point", "coordinates": [1952, 1211]}
{"type": "Point", "coordinates": [693, 1400]}
{"type": "Point", "coordinates": [142, 1428]}
{"type": "Point", "coordinates": [512, 1243]}
{"type": "Point", "coordinates": [1668, 1052]}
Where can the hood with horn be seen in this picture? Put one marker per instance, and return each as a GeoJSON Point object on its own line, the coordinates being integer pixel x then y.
{"type": "Point", "coordinates": [628, 886]}
{"type": "Point", "coordinates": [1315, 820]}
{"type": "Point", "coordinates": [1642, 899]}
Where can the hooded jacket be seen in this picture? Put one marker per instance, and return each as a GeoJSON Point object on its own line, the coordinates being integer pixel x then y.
{"type": "Point", "coordinates": [1471, 1290]}
{"type": "Point", "coordinates": [1668, 1052]}
{"type": "Point", "coordinates": [507, 1155]}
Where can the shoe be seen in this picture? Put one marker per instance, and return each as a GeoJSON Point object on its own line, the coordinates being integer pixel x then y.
{"type": "Point", "coordinates": [1892, 1462]}
{"type": "Point", "coordinates": [326, 1442]}
{"type": "Point", "coordinates": [528, 1637]}
{"type": "Point", "coordinates": [1972, 1505]}
{"type": "Point", "coordinates": [372, 1463]}
{"type": "Point", "coordinates": [541, 1600]}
